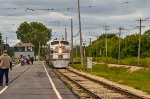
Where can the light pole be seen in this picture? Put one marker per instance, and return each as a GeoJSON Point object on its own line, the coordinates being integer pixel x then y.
{"type": "Point", "coordinates": [139, 45]}
{"type": "Point", "coordinates": [81, 49]}
{"type": "Point", "coordinates": [72, 50]}
{"type": "Point", "coordinates": [39, 52]}
{"type": "Point", "coordinates": [106, 29]}
{"type": "Point", "coordinates": [120, 31]}
{"type": "Point", "coordinates": [84, 49]}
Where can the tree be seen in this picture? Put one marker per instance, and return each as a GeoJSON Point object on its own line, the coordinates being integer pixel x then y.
{"type": "Point", "coordinates": [34, 32]}
{"type": "Point", "coordinates": [1, 41]}
{"type": "Point", "coordinates": [145, 45]}
{"type": "Point", "coordinates": [98, 46]}
{"type": "Point", "coordinates": [147, 32]}
{"type": "Point", "coordinates": [103, 36]}
{"type": "Point", "coordinates": [130, 46]}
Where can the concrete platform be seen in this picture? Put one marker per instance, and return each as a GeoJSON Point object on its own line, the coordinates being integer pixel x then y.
{"type": "Point", "coordinates": [32, 82]}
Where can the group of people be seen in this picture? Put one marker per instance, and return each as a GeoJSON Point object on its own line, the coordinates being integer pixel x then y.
{"type": "Point", "coordinates": [26, 60]}
{"type": "Point", "coordinates": [6, 64]}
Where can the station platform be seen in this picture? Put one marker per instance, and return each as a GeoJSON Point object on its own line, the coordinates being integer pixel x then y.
{"type": "Point", "coordinates": [32, 82]}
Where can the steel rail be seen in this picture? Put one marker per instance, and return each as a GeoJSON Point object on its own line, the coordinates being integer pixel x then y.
{"type": "Point", "coordinates": [109, 86]}
{"type": "Point", "coordinates": [79, 85]}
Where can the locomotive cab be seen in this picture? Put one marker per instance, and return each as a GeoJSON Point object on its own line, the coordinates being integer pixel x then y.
{"type": "Point", "coordinates": [60, 54]}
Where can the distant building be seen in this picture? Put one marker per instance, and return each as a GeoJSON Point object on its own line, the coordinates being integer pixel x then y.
{"type": "Point", "coordinates": [24, 49]}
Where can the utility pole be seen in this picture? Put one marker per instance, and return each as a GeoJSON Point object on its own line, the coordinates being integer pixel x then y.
{"type": "Point", "coordinates": [139, 45]}
{"type": "Point", "coordinates": [84, 50]}
{"type": "Point", "coordinates": [65, 34]}
{"type": "Point", "coordinates": [96, 49]}
{"type": "Point", "coordinates": [72, 50]}
{"type": "Point", "coordinates": [106, 29]}
{"type": "Point", "coordinates": [39, 52]}
{"type": "Point", "coordinates": [120, 31]}
{"type": "Point", "coordinates": [76, 53]}
{"type": "Point", "coordinates": [81, 49]}
{"type": "Point", "coordinates": [90, 46]}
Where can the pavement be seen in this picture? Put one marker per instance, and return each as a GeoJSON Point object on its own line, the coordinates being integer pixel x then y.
{"type": "Point", "coordinates": [33, 82]}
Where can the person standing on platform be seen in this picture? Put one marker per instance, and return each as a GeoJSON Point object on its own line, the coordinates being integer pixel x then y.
{"type": "Point", "coordinates": [28, 60]}
{"type": "Point", "coordinates": [32, 60]}
{"type": "Point", "coordinates": [4, 67]}
{"type": "Point", "coordinates": [22, 60]}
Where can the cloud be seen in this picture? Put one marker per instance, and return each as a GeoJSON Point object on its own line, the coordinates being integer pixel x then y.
{"type": "Point", "coordinates": [55, 14]}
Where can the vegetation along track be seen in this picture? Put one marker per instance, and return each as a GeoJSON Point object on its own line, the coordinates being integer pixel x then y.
{"type": "Point", "coordinates": [95, 88]}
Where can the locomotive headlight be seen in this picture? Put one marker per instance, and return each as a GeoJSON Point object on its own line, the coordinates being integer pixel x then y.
{"type": "Point", "coordinates": [60, 45]}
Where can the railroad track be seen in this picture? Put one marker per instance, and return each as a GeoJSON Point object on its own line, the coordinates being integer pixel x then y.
{"type": "Point", "coordinates": [94, 88]}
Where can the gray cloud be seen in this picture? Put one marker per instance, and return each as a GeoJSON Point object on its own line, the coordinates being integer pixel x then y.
{"type": "Point", "coordinates": [94, 14]}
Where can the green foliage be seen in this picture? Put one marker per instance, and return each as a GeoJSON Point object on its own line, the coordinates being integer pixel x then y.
{"type": "Point", "coordinates": [108, 36]}
{"type": "Point", "coordinates": [147, 32]}
{"type": "Point", "coordinates": [98, 47]}
{"type": "Point", "coordinates": [145, 46]}
{"type": "Point", "coordinates": [144, 62]}
{"type": "Point", "coordinates": [34, 32]}
{"type": "Point", "coordinates": [103, 59]}
{"type": "Point", "coordinates": [1, 41]}
{"type": "Point", "coordinates": [129, 61]}
{"type": "Point", "coordinates": [77, 51]}
{"type": "Point", "coordinates": [129, 46]}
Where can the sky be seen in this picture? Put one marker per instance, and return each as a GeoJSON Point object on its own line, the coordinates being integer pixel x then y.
{"type": "Point", "coordinates": [56, 15]}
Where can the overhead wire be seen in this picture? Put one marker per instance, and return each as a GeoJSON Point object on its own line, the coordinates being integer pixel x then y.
{"type": "Point", "coordinates": [70, 8]}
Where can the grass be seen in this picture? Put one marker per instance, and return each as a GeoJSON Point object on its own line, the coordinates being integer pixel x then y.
{"type": "Point", "coordinates": [139, 79]}
{"type": "Point", "coordinates": [145, 62]}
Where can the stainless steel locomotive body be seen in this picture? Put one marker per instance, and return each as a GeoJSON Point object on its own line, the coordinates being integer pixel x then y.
{"type": "Point", "coordinates": [59, 54]}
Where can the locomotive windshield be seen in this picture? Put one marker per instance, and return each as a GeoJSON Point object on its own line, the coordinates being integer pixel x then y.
{"type": "Point", "coordinates": [64, 42]}
{"type": "Point", "coordinates": [55, 42]}
{"type": "Point", "coordinates": [61, 42]}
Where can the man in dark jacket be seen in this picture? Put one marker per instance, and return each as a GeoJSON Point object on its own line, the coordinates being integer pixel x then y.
{"type": "Point", "coordinates": [4, 67]}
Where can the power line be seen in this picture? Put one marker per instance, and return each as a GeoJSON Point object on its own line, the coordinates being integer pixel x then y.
{"type": "Point", "coordinates": [70, 8]}
{"type": "Point", "coordinates": [77, 34]}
